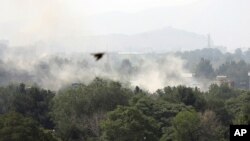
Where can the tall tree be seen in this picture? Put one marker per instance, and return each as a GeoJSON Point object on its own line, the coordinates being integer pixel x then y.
{"type": "Point", "coordinates": [187, 126]}
{"type": "Point", "coordinates": [78, 111]}
{"type": "Point", "coordinates": [129, 124]}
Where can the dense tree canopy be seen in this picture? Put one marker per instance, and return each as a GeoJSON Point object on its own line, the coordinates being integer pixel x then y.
{"type": "Point", "coordinates": [32, 101]}
{"type": "Point", "coordinates": [78, 111]}
{"type": "Point", "coordinates": [15, 127]}
{"type": "Point", "coordinates": [186, 126]}
{"type": "Point", "coordinates": [129, 124]}
{"type": "Point", "coordinates": [109, 110]}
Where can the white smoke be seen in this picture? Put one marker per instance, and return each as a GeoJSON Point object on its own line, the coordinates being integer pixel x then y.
{"type": "Point", "coordinates": [54, 71]}
{"type": "Point", "coordinates": [169, 71]}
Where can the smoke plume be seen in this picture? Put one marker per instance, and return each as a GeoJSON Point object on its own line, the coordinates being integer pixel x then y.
{"type": "Point", "coordinates": [56, 70]}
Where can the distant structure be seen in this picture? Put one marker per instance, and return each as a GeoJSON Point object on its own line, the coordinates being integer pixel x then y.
{"type": "Point", "coordinates": [222, 79]}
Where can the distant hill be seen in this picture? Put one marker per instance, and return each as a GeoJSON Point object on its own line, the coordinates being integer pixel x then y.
{"type": "Point", "coordinates": [166, 39]}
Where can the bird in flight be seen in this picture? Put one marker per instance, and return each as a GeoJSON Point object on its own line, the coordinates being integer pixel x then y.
{"type": "Point", "coordinates": [98, 56]}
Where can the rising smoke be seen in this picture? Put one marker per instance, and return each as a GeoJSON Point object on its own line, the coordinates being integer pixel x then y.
{"type": "Point", "coordinates": [56, 70]}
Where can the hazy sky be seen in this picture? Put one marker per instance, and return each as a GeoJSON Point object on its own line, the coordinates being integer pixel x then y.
{"type": "Point", "coordinates": [24, 22]}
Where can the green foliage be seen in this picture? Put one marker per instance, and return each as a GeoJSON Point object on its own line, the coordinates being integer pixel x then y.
{"type": "Point", "coordinates": [204, 69]}
{"type": "Point", "coordinates": [189, 125]}
{"type": "Point", "coordinates": [6, 99]}
{"type": "Point", "coordinates": [217, 98]}
{"type": "Point", "coordinates": [129, 124]}
{"type": "Point", "coordinates": [186, 126]}
{"type": "Point", "coordinates": [219, 107]}
{"type": "Point", "coordinates": [162, 111]}
{"type": "Point", "coordinates": [33, 101]}
{"type": "Point", "coordinates": [222, 92]}
{"type": "Point", "coordinates": [106, 110]}
{"type": "Point", "coordinates": [236, 71]}
{"type": "Point", "coordinates": [240, 108]}
{"type": "Point", "coordinates": [182, 94]}
{"type": "Point", "coordinates": [78, 111]}
{"type": "Point", "coordinates": [169, 134]}
{"type": "Point", "coordinates": [15, 127]}
{"type": "Point", "coordinates": [211, 128]}
{"type": "Point", "coordinates": [193, 57]}
{"type": "Point", "coordinates": [233, 65]}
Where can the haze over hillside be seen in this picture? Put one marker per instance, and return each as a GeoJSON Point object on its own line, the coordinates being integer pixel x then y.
{"type": "Point", "coordinates": [64, 24]}
{"type": "Point", "coordinates": [162, 40]}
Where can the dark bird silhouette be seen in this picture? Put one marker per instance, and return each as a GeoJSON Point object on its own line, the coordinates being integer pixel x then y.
{"type": "Point", "coordinates": [98, 56]}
